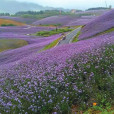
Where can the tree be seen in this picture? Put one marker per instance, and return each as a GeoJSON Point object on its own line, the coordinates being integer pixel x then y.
{"type": "Point", "coordinates": [110, 6]}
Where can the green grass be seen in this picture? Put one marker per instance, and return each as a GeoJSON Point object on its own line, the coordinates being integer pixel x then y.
{"type": "Point", "coordinates": [50, 25]}
{"type": "Point", "coordinates": [76, 37]}
{"type": "Point", "coordinates": [51, 45]}
{"type": "Point", "coordinates": [109, 30]}
{"type": "Point", "coordinates": [99, 110]}
{"type": "Point", "coordinates": [7, 25]}
{"type": "Point", "coordinates": [104, 32]}
{"type": "Point", "coordinates": [53, 32]}
{"type": "Point", "coordinates": [77, 26]}
{"type": "Point", "coordinates": [6, 44]}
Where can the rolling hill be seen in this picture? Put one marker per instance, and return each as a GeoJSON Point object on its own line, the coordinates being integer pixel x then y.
{"type": "Point", "coordinates": [14, 6]}
{"type": "Point", "coordinates": [54, 20]}
{"type": "Point", "coordinates": [7, 22]}
{"type": "Point", "coordinates": [67, 79]}
{"type": "Point", "coordinates": [19, 19]}
{"type": "Point", "coordinates": [100, 24]}
{"type": "Point", "coordinates": [11, 6]}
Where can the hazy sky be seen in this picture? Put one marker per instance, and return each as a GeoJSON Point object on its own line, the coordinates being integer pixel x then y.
{"type": "Point", "coordinates": [77, 4]}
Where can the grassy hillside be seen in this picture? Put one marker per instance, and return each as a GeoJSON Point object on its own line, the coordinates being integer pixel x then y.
{"type": "Point", "coordinates": [8, 22]}
{"type": "Point", "coordinates": [6, 44]}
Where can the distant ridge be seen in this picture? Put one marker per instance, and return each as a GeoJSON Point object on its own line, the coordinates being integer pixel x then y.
{"type": "Point", "coordinates": [98, 8]}
{"type": "Point", "coordinates": [12, 7]}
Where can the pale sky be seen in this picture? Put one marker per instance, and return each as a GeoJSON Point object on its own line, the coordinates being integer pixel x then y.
{"type": "Point", "coordinates": [77, 4]}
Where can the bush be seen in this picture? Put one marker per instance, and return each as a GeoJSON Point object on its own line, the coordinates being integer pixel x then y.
{"type": "Point", "coordinates": [8, 25]}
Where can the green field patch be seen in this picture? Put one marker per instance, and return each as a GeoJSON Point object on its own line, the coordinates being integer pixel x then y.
{"type": "Point", "coordinates": [51, 45]}
{"type": "Point", "coordinates": [7, 25]}
{"type": "Point", "coordinates": [76, 26]}
{"type": "Point", "coordinates": [76, 37]}
{"type": "Point", "coordinates": [108, 31]}
{"type": "Point", "coordinates": [104, 32]}
{"type": "Point", "coordinates": [48, 25]}
{"type": "Point", "coordinates": [53, 32]}
{"type": "Point", "coordinates": [6, 44]}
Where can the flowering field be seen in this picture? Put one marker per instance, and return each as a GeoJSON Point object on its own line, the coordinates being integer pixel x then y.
{"type": "Point", "coordinates": [19, 19]}
{"type": "Point", "coordinates": [54, 20]}
{"type": "Point", "coordinates": [21, 31]}
{"type": "Point", "coordinates": [34, 46]}
{"type": "Point", "coordinates": [81, 21]}
{"type": "Point", "coordinates": [65, 20]}
{"type": "Point", "coordinates": [98, 25]}
{"type": "Point", "coordinates": [79, 74]}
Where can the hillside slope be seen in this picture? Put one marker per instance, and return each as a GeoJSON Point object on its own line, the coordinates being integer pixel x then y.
{"type": "Point", "coordinates": [75, 75]}
{"type": "Point", "coordinates": [6, 21]}
{"type": "Point", "coordinates": [11, 6]}
{"type": "Point", "coordinates": [98, 25]}
{"type": "Point", "coordinates": [19, 19]}
{"type": "Point", "coordinates": [54, 20]}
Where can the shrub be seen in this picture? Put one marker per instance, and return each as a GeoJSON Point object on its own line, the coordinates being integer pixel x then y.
{"type": "Point", "coordinates": [8, 25]}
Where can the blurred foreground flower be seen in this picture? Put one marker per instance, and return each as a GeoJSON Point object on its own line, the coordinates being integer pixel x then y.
{"type": "Point", "coordinates": [94, 104]}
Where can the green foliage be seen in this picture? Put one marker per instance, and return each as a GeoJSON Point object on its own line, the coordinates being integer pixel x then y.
{"type": "Point", "coordinates": [52, 32]}
{"type": "Point", "coordinates": [7, 25]}
{"type": "Point", "coordinates": [51, 45]}
{"type": "Point", "coordinates": [109, 30]}
{"type": "Point", "coordinates": [40, 14]}
{"type": "Point", "coordinates": [4, 14]}
{"type": "Point", "coordinates": [104, 32]}
{"type": "Point", "coordinates": [50, 24]}
{"type": "Point", "coordinates": [6, 44]}
{"type": "Point", "coordinates": [76, 37]}
{"type": "Point", "coordinates": [100, 110]}
{"type": "Point", "coordinates": [98, 8]}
